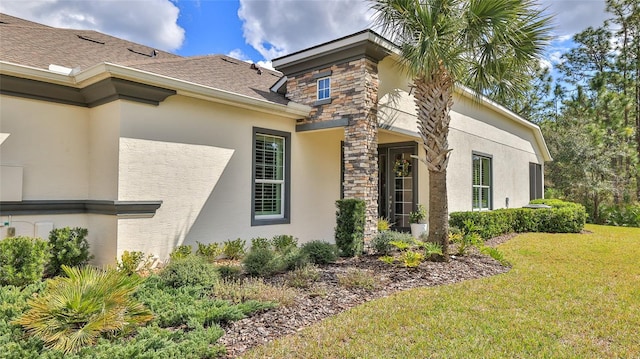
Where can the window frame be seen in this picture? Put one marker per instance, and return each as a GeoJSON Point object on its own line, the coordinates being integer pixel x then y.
{"type": "Point", "coordinates": [536, 181]}
{"type": "Point", "coordinates": [481, 186]}
{"type": "Point", "coordinates": [284, 218]}
{"type": "Point", "coordinates": [323, 89]}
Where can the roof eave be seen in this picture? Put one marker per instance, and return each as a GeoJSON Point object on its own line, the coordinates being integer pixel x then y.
{"type": "Point", "coordinates": [186, 88]}
{"type": "Point", "coordinates": [101, 71]}
{"type": "Point", "coordinates": [364, 43]}
{"type": "Point", "coordinates": [470, 94]}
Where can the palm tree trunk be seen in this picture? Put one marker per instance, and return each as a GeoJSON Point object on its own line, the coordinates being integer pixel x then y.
{"type": "Point", "coordinates": [439, 210]}
{"type": "Point", "coordinates": [434, 98]}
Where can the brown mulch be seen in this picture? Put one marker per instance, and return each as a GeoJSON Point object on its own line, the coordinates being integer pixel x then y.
{"type": "Point", "coordinates": [309, 307]}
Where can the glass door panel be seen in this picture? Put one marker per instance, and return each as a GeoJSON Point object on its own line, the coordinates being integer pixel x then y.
{"type": "Point", "coordinates": [401, 192]}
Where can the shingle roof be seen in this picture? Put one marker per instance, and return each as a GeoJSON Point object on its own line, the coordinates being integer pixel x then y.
{"type": "Point", "coordinates": [218, 71]}
{"type": "Point", "coordinates": [32, 44]}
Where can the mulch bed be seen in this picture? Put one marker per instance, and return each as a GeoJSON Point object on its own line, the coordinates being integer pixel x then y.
{"type": "Point", "coordinates": [310, 308]}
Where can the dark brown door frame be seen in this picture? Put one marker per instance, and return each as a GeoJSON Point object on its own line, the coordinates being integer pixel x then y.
{"type": "Point", "coordinates": [386, 185]}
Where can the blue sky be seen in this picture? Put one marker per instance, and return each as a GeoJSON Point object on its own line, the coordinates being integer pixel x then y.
{"type": "Point", "coordinates": [212, 27]}
{"type": "Point", "coordinates": [253, 30]}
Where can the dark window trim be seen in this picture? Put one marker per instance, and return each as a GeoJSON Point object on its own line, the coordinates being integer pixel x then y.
{"type": "Point", "coordinates": [482, 154]}
{"type": "Point", "coordinates": [287, 178]}
{"type": "Point", "coordinates": [322, 74]}
{"type": "Point", "coordinates": [341, 169]}
{"type": "Point", "coordinates": [536, 185]}
{"type": "Point", "coordinates": [325, 101]}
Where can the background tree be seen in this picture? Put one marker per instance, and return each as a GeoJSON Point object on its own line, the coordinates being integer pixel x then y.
{"type": "Point", "coordinates": [486, 45]}
{"type": "Point", "coordinates": [595, 135]}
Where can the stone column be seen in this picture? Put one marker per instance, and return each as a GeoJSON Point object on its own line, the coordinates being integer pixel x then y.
{"type": "Point", "coordinates": [354, 99]}
{"type": "Point", "coordinates": [361, 146]}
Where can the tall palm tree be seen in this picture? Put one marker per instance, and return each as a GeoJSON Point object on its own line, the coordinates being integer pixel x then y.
{"type": "Point", "coordinates": [486, 45]}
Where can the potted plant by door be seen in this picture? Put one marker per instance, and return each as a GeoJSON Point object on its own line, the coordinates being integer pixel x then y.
{"type": "Point", "coordinates": [417, 219]}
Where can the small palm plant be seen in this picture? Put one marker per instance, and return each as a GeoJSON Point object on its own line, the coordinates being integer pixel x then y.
{"type": "Point", "coordinates": [74, 311]}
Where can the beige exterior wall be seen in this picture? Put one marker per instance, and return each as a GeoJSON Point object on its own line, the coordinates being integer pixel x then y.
{"type": "Point", "coordinates": [49, 141]}
{"type": "Point", "coordinates": [103, 238]}
{"type": "Point", "coordinates": [473, 128]}
{"type": "Point", "coordinates": [104, 132]}
{"type": "Point", "coordinates": [195, 156]}
{"type": "Point", "coordinates": [65, 153]}
{"type": "Point", "coordinates": [512, 146]}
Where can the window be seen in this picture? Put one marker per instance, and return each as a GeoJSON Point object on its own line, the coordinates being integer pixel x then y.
{"type": "Point", "coordinates": [271, 164]}
{"type": "Point", "coordinates": [535, 181]}
{"type": "Point", "coordinates": [324, 88]}
{"type": "Point", "coordinates": [481, 182]}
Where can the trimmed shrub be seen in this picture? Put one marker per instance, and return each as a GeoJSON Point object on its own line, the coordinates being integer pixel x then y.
{"type": "Point", "coordinates": [262, 262]}
{"type": "Point", "coordinates": [13, 303]}
{"type": "Point", "coordinates": [190, 271]}
{"type": "Point", "coordinates": [234, 249]}
{"type": "Point", "coordinates": [350, 218]}
{"type": "Point", "coordinates": [294, 258]}
{"type": "Point", "coordinates": [284, 243]}
{"type": "Point", "coordinates": [181, 252]}
{"type": "Point", "coordinates": [381, 243]}
{"type": "Point", "coordinates": [554, 202]}
{"type": "Point", "coordinates": [563, 217]}
{"type": "Point", "coordinates": [211, 251]}
{"type": "Point", "coordinates": [260, 242]}
{"type": "Point", "coordinates": [131, 262]}
{"type": "Point", "coordinates": [22, 260]}
{"type": "Point", "coordinates": [229, 272]}
{"type": "Point", "coordinates": [320, 252]}
{"type": "Point", "coordinates": [74, 311]}
{"type": "Point", "coordinates": [68, 247]}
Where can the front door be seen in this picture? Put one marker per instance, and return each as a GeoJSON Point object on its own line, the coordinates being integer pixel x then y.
{"type": "Point", "coordinates": [398, 178]}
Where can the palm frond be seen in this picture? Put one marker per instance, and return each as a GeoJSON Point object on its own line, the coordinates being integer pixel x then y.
{"type": "Point", "coordinates": [74, 311]}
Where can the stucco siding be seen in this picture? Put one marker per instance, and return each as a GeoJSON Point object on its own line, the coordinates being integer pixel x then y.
{"type": "Point", "coordinates": [27, 225]}
{"type": "Point", "coordinates": [474, 127]}
{"type": "Point", "coordinates": [195, 156]}
{"type": "Point", "coordinates": [104, 132]}
{"type": "Point", "coordinates": [65, 153]}
{"type": "Point", "coordinates": [103, 238]}
{"type": "Point", "coordinates": [50, 142]}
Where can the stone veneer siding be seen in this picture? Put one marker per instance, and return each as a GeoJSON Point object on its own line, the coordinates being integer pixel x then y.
{"type": "Point", "coordinates": [354, 96]}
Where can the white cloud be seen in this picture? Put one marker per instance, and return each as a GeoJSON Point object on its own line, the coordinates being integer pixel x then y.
{"type": "Point", "coordinates": [556, 56]}
{"type": "Point", "coordinates": [573, 16]}
{"type": "Point", "coordinates": [238, 54]}
{"type": "Point", "coordinates": [564, 38]}
{"type": "Point", "coordinates": [150, 22]}
{"type": "Point", "coordinates": [279, 27]}
{"type": "Point", "coordinates": [265, 64]}
{"type": "Point", "coordinates": [545, 64]}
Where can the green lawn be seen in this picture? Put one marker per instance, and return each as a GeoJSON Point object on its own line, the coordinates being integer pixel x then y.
{"type": "Point", "coordinates": [567, 296]}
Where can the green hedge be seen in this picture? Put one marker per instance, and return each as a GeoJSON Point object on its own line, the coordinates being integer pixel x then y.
{"type": "Point", "coordinates": [350, 218]}
{"type": "Point", "coordinates": [562, 217]}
